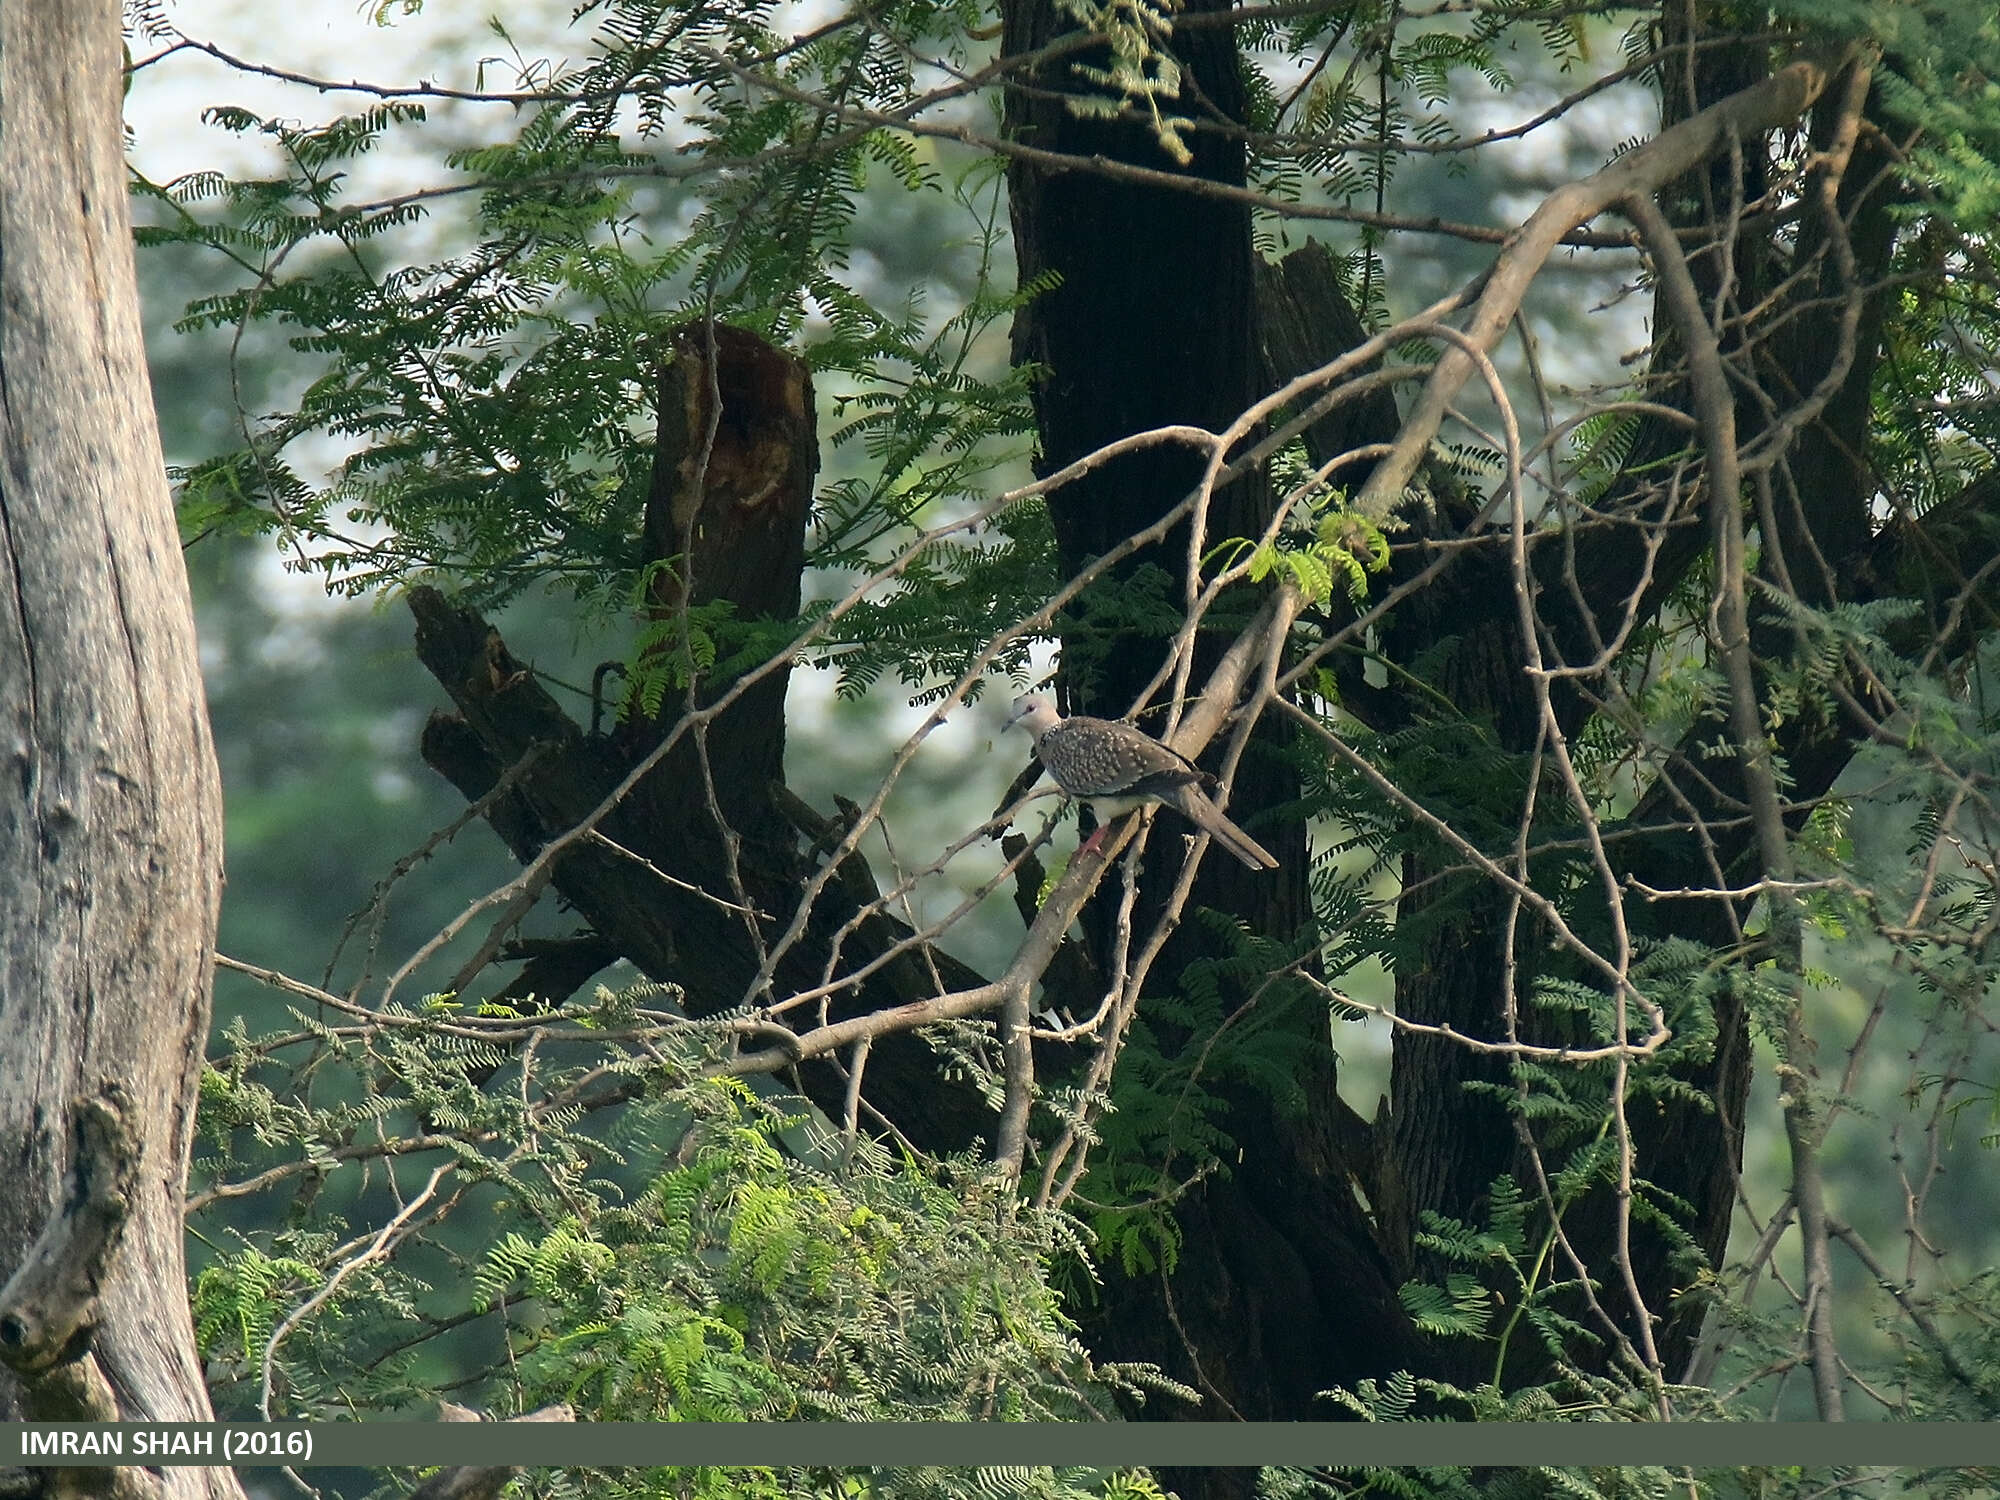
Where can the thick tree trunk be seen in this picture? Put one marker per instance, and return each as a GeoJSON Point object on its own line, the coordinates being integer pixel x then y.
{"type": "Point", "coordinates": [110, 810]}
{"type": "Point", "coordinates": [1155, 321]}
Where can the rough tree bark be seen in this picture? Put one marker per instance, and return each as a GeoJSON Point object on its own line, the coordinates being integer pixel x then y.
{"type": "Point", "coordinates": [1155, 321]}
{"type": "Point", "coordinates": [110, 809]}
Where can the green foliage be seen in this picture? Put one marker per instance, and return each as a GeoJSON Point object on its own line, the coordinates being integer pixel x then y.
{"type": "Point", "coordinates": [1389, 79]}
{"type": "Point", "coordinates": [1142, 70]}
{"type": "Point", "coordinates": [1186, 1055]}
{"type": "Point", "coordinates": [1938, 65]}
{"type": "Point", "coordinates": [1327, 545]}
{"type": "Point", "coordinates": [1405, 1399]}
{"type": "Point", "coordinates": [235, 1300]}
{"type": "Point", "coordinates": [747, 1284]}
{"type": "Point", "coordinates": [671, 652]}
{"type": "Point", "coordinates": [497, 402]}
{"type": "Point", "coordinates": [691, 1251]}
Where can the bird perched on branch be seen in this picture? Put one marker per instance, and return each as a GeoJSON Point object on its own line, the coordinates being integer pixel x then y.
{"type": "Point", "coordinates": [1117, 769]}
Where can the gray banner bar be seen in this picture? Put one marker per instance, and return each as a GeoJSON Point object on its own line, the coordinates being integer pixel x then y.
{"type": "Point", "coordinates": [973, 1444]}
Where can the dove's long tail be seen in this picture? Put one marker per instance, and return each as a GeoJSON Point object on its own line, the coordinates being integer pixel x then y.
{"type": "Point", "coordinates": [1193, 804]}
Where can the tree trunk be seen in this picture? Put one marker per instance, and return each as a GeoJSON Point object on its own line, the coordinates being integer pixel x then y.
{"type": "Point", "coordinates": [110, 810]}
{"type": "Point", "coordinates": [1155, 321]}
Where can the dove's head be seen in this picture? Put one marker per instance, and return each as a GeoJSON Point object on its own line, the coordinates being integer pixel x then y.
{"type": "Point", "coordinates": [1034, 713]}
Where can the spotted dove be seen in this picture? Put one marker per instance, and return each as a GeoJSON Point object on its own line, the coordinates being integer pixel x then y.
{"type": "Point", "coordinates": [1117, 768]}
